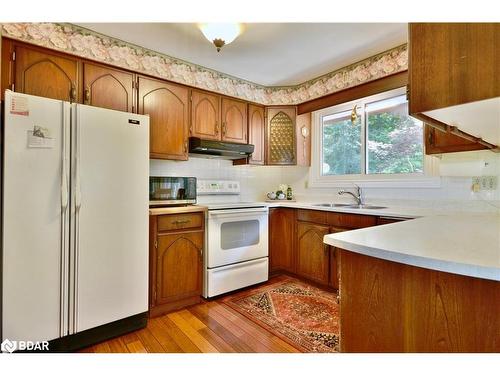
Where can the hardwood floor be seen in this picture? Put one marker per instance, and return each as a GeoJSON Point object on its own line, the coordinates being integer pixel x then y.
{"type": "Point", "coordinates": [210, 327]}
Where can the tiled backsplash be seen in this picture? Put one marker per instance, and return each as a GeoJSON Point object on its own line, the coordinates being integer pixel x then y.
{"type": "Point", "coordinates": [454, 192]}
{"type": "Point", "coordinates": [255, 181]}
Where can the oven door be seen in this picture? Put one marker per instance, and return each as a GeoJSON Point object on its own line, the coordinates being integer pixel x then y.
{"type": "Point", "coordinates": [236, 235]}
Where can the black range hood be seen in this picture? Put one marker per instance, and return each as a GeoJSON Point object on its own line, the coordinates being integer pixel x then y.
{"type": "Point", "coordinates": [223, 150]}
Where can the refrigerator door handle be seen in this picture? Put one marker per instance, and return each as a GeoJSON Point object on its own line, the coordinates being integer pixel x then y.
{"type": "Point", "coordinates": [64, 182]}
{"type": "Point", "coordinates": [78, 191]}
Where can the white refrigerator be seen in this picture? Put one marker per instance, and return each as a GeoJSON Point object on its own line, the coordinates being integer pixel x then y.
{"type": "Point", "coordinates": [75, 217]}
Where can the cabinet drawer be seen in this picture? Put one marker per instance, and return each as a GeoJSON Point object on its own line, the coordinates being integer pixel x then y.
{"type": "Point", "coordinates": [351, 220]}
{"type": "Point", "coordinates": [180, 221]}
{"type": "Point", "coordinates": [313, 216]}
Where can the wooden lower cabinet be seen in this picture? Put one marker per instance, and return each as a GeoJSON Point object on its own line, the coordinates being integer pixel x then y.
{"type": "Point", "coordinates": [335, 261]}
{"type": "Point", "coordinates": [176, 262]}
{"type": "Point", "coordinates": [392, 307]}
{"type": "Point", "coordinates": [313, 256]}
{"type": "Point", "coordinates": [296, 242]}
{"type": "Point", "coordinates": [281, 240]}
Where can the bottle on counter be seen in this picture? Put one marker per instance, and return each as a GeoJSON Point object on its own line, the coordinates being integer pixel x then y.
{"type": "Point", "coordinates": [289, 194]}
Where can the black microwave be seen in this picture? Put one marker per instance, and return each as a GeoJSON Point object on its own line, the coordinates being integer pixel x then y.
{"type": "Point", "coordinates": [165, 191]}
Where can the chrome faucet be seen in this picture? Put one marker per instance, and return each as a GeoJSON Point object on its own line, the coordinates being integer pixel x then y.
{"type": "Point", "coordinates": [358, 196]}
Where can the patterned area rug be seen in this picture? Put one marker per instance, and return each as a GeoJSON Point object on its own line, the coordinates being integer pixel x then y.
{"type": "Point", "coordinates": [304, 316]}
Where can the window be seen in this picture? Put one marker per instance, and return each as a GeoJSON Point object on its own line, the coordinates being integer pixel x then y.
{"type": "Point", "coordinates": [371, 139]}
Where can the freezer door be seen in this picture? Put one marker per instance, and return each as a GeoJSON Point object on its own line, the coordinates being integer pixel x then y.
{"type": "Point", "coordinates": [110, 206]}
{"type": "Point", "coordinates": [35, 220]}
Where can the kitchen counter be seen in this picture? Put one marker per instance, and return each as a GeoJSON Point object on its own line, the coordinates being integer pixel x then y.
{"type": "Point", "coordinates": [177, 210]}
{"type": "Point", "coordinates": [465, 244]}
{"type": "Point", "coordinates": [394, 211]}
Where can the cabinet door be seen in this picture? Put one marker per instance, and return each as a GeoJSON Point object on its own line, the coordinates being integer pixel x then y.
{"type": "Point", "coordinates": [256, 133]}
{"type": "Point", "coordinates": [107, 87]}
{"type": "Point", "coordinates": [281, 136]}
{"type": "Point", "coordinates": [167, 107]}
{"type": "Point", "coordinates": [313, 256]}
{"type": "Point", "coordinates": [439, 142]}
{"type": "Point", "coordinates": [179, 267]}
{"type": "Point", "coordinates": [335, 261]}
{"type": "Point", "coordinates": [452, 63]}
{"type": "Point", "coordinates": [205, 115]}
{"type": "Point", "coordinates": [42, 73]}
{"type": "Point", "coordinates": [281, 239]}
{"type": "Point", "coordinates": [234, 121]}
{"type": "Point", "coordinates": [304, 139]}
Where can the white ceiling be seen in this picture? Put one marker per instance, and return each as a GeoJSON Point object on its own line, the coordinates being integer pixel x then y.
{"type": "Point", "coordinates": [269, 54]}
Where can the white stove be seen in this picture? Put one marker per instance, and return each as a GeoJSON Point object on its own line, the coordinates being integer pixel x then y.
{"type": "Point", "coordinates": [236, 240]}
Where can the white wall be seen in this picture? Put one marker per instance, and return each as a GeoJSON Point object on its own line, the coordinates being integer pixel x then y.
{"type": "Point", "coordinates": [255, 181]}
{"type": "Point", "coordinates": [456, 172]}
{"type": "Point", "coordinates": [454, 192]}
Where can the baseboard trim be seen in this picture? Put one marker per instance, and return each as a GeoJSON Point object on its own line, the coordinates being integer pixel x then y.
{"type": "Point", "coordinates": [95, 335]}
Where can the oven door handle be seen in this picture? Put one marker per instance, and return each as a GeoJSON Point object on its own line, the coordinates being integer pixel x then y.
{"type": "Point", "coordinates": [245, 211]}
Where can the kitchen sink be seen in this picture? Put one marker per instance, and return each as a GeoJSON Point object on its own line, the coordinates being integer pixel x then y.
{"type": "Point", "coordinates": [365, 206]}
{"type": "Point", "coordinates": [332, 205]}
{"type": "Point", "coordinates": [347, 205]}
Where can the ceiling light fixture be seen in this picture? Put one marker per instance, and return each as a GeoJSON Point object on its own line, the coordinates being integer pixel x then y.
{"type": "Point", "coordinates": [220, 34]}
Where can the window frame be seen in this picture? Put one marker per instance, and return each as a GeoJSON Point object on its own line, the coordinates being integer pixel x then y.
{"type": "Point", "coordinates": [429, 177]}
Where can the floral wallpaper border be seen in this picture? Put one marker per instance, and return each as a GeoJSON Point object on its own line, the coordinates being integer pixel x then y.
{"type": "Point", "coordinates": [85, 43]}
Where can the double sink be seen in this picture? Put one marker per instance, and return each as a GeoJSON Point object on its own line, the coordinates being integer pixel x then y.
{"type": "Point", "coordinates": [358, 206]}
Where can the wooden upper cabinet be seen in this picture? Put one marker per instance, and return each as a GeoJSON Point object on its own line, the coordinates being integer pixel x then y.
{"type": "Point", "coordinates": [205, 115]}
{"type": "Point", "coordinates": [304, 139]}
{"type": "Point", "coordinates": [438, 142]}
{"type": "Point", "coordinates": [108, 88]}
{"type": "Point", "coordinates": [281, 136]}
{"type": "Point", "coordinates": [167, 107]}
{"type": "Point", "coordinates": [313, 256]}
{"type": "Point", "coordinates": [179, 267]}
{"type": "Point", "coordinates": [256, 133]}
{"type": "Point", "coordinates": [281, 239]}
{"type": "Point", "coordinates": [452, 63]}
{"type": "Point", "coordinates": [234, 121]}
{"type": "Point", "coordinates": [45, 73]}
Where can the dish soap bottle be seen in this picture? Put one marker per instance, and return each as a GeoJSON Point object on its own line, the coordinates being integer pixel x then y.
{"type": "Point", "coordinates": [289, 193]}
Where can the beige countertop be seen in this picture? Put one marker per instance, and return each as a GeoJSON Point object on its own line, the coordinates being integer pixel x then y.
{"type": "Point", "coordinates": [391, 211]}
{"type": "Point", "coordinates": [177, 210]}
{"type": "Point", "coordinates": [465, 244]}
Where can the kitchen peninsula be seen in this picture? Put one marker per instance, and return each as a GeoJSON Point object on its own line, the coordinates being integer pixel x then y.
{"type": "Point", "coordinates": [434, 293]}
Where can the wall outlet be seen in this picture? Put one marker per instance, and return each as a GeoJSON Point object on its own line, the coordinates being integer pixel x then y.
{"type": "Point", "coordinates": [484, 183]}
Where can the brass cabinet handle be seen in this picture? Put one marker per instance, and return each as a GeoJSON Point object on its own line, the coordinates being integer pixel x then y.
{"type": "Point", "coordinates": [216, 128]}
{"type": "Point", "coordinates": [181, 221]}
{"type": "Point", "coordinates": [87, 94]}
{"type": "Point", "coordinates": [72, 93]}
{"type": "Point", "coordinates": [201, 252]}
{"type": "Point", "coordinates": [185, 147]}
